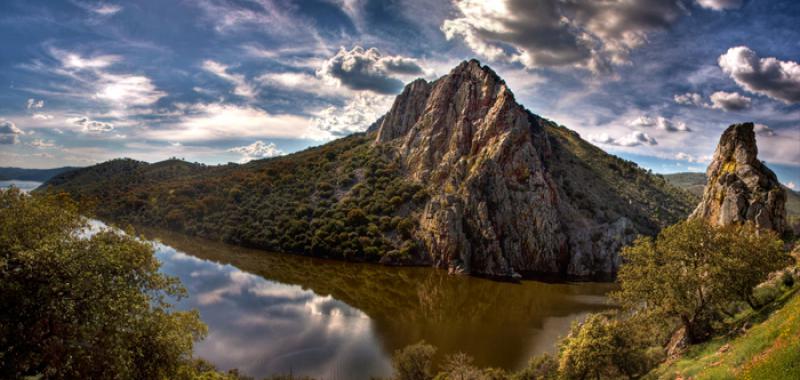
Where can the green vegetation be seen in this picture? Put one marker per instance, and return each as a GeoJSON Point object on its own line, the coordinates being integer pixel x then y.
{"type": "Point", "coordinates": [606, 187]}
{"type": "Point", "coordinates": [692, 283]}
{"type": "Point", "coordinates": [345, 199]}
{"type": "Point", "coordinates": [83, 307]}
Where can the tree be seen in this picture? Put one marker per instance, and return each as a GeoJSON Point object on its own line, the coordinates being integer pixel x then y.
{"type": "Point", "coordinates": [414, 362]}
{"type": "Point", "coordinates": [692, 271]}
{"type": "Point", "coordinates": [78, 305]}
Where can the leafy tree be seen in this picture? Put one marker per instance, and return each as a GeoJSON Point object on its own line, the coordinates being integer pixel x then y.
{"type": "Point", "coordinates": [78, 306]}
{"type": "Point", "coordinates": [541, 367]}
{"type": "Point", "coordinates": [692, 271]}
{"type": "Point", "coordinates": [414, 362]}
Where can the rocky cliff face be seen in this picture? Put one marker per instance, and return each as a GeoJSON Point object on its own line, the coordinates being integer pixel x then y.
{"type": "Point", "coordinates": [497, 207]}
{"type": "Point", "coordinates": [740, 187]}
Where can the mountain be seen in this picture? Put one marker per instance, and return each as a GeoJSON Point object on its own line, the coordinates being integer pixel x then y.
{"type": "Point", "coordinates": [38, 175]}
{"type": "Point", "coordinates": [694, 183]}
{"type": "Point", "coordinates": [457, 175]}
{"type": "Point", "coordinates": [740, 187]}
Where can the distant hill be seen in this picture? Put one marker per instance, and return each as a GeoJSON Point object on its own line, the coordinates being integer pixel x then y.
{"type": "Point", "coordinates": [38, 175]}
{"type": "Point", "coordinates": [457, 175]}
{"type": "Point", "coordinates": [695, 182]}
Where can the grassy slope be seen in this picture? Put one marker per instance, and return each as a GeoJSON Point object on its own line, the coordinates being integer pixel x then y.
{"type": "Point", "coordinates": [695, 182]}
{"type": "Point", "coordinates": [768, 350]}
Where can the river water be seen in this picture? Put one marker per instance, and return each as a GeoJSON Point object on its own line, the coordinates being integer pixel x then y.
{"type": "Point", "coordinates": [273, 313]}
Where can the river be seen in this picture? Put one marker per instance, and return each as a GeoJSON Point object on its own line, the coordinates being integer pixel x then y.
{"type": "Point", "coordinates": [278, 313]}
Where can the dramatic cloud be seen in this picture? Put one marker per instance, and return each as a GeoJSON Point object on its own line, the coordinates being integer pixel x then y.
{"type": "Point", "coordinates": [719, 5]}
{"type": "Point", "coordinates": [9, 133]}
{"type": "Point", "coordinates": [635, 138]}
{"type": "Point", "coordinates": [241, 86]}
{"type": "Point", "coordinates": [91, 126]}
{"type": "Point", "coordinates": [33, 104]}
{"type": "Point", "coordinates": [590, 34]}
{"type": "Point", "coordinates": [729, 101]}
{"type": "Point", "coordinates": [256, 150]}
{"type": "Point", "coordinates": [763, 130]}
{"type": "Point", "coordinates": [660, 123]}
{"type": "Point", "coordinates": [361, 69]}
{"type": "Point", "coordinates": [120, 90]}
{"type": "Point", "coordinates": [689, 99]}
{"type": "Point", "coordinates": [356, 116]}
{"type": "Point", "coordinates": [766, 76]}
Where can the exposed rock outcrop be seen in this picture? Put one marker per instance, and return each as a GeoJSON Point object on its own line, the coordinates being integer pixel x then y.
{"type": "Point", "coordinates": [741, 188]}
{"type": "Point", "coordinates": [496, 206]}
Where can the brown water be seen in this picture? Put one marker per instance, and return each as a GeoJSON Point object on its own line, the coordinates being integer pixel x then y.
{"type": "Point", "coordinates": [275, 313]}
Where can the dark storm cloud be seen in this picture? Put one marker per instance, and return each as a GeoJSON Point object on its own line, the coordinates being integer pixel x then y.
{"type": "Point", "coordinates": [361, 69]}
{"type": "Point", "coordinates": [594, 35]}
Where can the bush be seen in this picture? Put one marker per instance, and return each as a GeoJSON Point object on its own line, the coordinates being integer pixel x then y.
{"type": "Point", "coordinates": [414, 362]}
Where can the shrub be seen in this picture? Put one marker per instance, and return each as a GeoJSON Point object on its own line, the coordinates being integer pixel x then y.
{"type": "Point", "coordinates": [414, 362]}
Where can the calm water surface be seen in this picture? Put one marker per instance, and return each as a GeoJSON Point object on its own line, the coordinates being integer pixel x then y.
{"type": "Point", "coordinates": [25, 186]}
{"type": "Point", "coordinates": [275, 313]}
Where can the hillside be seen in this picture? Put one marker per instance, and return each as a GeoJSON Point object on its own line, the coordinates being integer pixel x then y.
{"type": "Point", "coordinates": [695, 182]}
{"type": "Point", "coordinates": [38, 175]}
{"type": "Point", "coordinates": [456, 175]}
{"type": "Point", "coordinates": [770, 349]}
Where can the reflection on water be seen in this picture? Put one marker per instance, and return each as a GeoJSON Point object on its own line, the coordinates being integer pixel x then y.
{"type": "Point", "coordinates": [25, 186]}
{"type": "Point", "coordinates": [271, 313]}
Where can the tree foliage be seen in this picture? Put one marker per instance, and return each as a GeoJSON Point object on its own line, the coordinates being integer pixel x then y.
{"type": "Point", "coordinates": [692, 271]}
{"type": "Point", "coordinates": [79, 305]}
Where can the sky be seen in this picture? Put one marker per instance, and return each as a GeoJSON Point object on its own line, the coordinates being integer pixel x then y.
{"type": "Point", "coordinates": [217, 81]}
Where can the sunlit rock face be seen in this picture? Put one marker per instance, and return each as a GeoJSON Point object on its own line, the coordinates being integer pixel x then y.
{"type": "Point", "coordinates": [495, 208]}
{"type": "Point", "coordinates": [741, 188]}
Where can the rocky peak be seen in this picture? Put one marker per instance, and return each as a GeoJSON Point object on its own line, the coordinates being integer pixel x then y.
{"type": "Point", "coordinates": [741, 188]}
{"type": "Point", "coordinates": [494, 207]}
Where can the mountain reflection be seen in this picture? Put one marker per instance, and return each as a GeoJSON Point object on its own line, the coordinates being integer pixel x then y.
{"type": "Point", "coordinates": [270, 313]}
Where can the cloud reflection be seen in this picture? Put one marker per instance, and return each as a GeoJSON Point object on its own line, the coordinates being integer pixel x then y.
{"type": "Point", "coordinates": [264, 327]}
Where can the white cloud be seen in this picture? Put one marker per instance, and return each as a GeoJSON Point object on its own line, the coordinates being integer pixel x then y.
{"type": "Point", "coordinates": [241, 86]}
{"type": "Point", "coordinates": [763, 130]}
{"type": "Point", "coordinates": [42, 144]}
{"type": "Point", "coordinates": [367, 69]}
{"type": "Point", "coordinates": [691, 158]}
{"type": "Point", "coordinates": [91, 126]}
{"type": "Point", "coordinates": [33, 104]}
{"type": "Point", "coordinates": [355, 116]}
{"type": "Point", "coordinates": [71, 60]}
{"type": "Point", "coordinates": [256, 150]}
{"type": "Point", "coordinates": [304, 82]}
{"type": "Point", "coordinates": [765, 76]}
{"type": "Point", "coordinates": [689, 99]}
{"type": "Point", "coordinates": [635, 138]}
{"type": "Point", "coordinates": [42, 116]}
{"type": "Point", "coordinates": [730, 101]}
{"type": "Point", "coordinates": [94, 81]}
{"type": "Point", "coordinates": [660, 123]}
{"type": "Point", "coordinates": [9, 133]}
{"type": "Point", "coordinates": [791, 185]}
{"type": "Point", "coordinates": [106, 9]}
{"type": "Point", "coordinates": [719, 5]}
{"type": "Point", "coordinates": [209, 121]}
{"type": "Point", "coordinates": [125, 90]}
